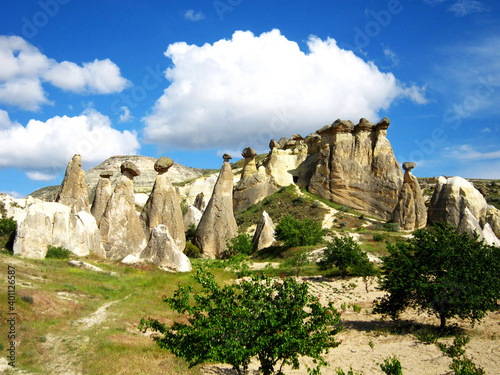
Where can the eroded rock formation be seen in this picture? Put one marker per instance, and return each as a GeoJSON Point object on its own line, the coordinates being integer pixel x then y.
{"type": "Point", "coordinates": [254, 184]}
{"type": "Point", "coordinates": [264, 234]}
{"type": "Point", "coordinates": [162, 250]}
{"type": "Point", "coordinates": [455, 201]}
{"type": "Point", "coordinates": [410, 212]}
{"type": "Point", "coordinates": [199, 201]}
{"type": "Point", "coordinates": [102, 195]}
{"type": "Point", "coordinates": [74, 192]}
{"type": "Point", "coordinates": [48, 223]}
{"type": "Point", "coordinates": [218, 224]}
{"type": "Point", "coordinates": [192, 217]}
{"type": "Point", "coordinates": [356, 167]}
{"type": "Point", "coordinates": [164, 206]}
{"type": "Point", "coordinates": [121, 230]}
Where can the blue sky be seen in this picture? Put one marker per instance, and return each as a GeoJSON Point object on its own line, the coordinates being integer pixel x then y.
{"type": "Point", "coordinates": [194, 79]}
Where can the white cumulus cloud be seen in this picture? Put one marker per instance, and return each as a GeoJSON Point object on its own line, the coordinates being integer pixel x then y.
{"type": "Point", "coordinates": [25, 69]}
{"type": "Point", "coordinates": [465, 7]}
{"type": "Point", "coordinates": [253, 88]}
{"type": "Point", "coordinates": [43, 149]}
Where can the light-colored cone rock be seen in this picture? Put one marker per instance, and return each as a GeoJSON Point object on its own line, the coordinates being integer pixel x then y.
{"type": "Point", "coordinates": [74, 192]}
{"type": "Point", "coordinates": [410, 212]}
{"type": "Point", "coordinates": [121, 230]}
{"type": "Point", "coordinates": [455, 201]}
{"type": "Point", "coordinates": [192, 216]}
{"type": "Point", "coordinates": [163, 251]}
{"type": "Point", "coordinates": [264, 234]}
{"type": "Point", "coordinates": [218, 224]}
{"type": "Point", "coordinates": [164, 206]}
{"type": "Point", "coordinates": [48, 223]}
{"type": "Point", "coordinates": [102, 195]}
{"type": "Point", "coordinates": [250, 167]}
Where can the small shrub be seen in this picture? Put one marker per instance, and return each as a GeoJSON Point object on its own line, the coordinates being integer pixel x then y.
{"type": "Point", "coordinates": [356, 308]}
{"type": "Point", "coordinates": [298, 200]}
{"type": "Point", "coordinates": [378, 237]}
{"type": "Point", "coordinates": [7, 227]}
{"type": "Point", "coordinates": [241, 244]}
{"type": "Point", "coordinates": [350, 372]}
{"type": "Point", "coordinates": [461, 365]}
{"type": "Point", "coordinates": [343, 209]}
{"type": "Point", "coordinates": [57, 252]}
{"type": "Point", "coordinates": [191, 230]}
{"type": "Point", "coordinates": [27, 299]}
{"type": "Point", "coordinates": [391, 366]}
{"type": "Point", "coordinates": [391, 227]}
{"type": "Point", "coordinates": [192, 251]}
{"type": "Point", "coordinates": [294, 232]}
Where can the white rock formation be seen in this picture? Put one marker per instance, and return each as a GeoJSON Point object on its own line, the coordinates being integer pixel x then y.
{"type": "Point", "coordinates": [192, 216]}
{"type": "Point", "coordinates": [264, 234]}
{"type": "Point", "coordinates": [455, 201]}
{"type": "Point", "coordinates": [162, 250]}
{"type": "Point", "coordinates": [48, 223]}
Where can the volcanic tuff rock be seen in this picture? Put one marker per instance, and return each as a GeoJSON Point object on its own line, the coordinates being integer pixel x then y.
{"type": "Point", "coordinates": [163, 251]}
{"type": "Point", "coordinates": [121, 230]}
{"type": "Point", "coordinates": [254, 184]}
{"type": "Point", "coordinates": [264, 234]}
{"type": "Point", "coordinates": [74, 192]}
{"type": "Point", "coordinates": [102, 195]}
{"type": "Point", "coordinates": [410, 212]}
{"type": "Point", "coordinates": [164, 206]}
{"type": "Point", "coordinates": [192, 216]}
{"type": "Point", "coordinates": [199, 201]}
{"type": "Point", "coordinates": [356, 167]}
{"type": "Point", "coordinates": [455, 201]}
{"type": "Point", "coordinates": [218, 224]}
{"type": "Point", "coordinates": [48, 223]}
{"type": "Point", "coordinates": [143, 183]}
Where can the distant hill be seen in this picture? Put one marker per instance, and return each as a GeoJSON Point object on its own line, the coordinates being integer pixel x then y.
{"type": "Point", "coordinates": [142, 184]}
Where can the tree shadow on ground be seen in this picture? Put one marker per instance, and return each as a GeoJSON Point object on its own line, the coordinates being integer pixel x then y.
{"type": "Point", "coordinates": [213, 370]}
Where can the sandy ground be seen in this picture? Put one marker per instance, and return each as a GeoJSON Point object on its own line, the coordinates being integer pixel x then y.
{"type": "Point", "coordinates": [363, 327]}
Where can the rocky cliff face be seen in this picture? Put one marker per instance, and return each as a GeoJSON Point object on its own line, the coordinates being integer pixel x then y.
{"type": "Point", "coordinates": [353, 165]}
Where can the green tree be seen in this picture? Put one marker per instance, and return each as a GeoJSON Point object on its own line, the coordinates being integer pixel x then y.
{"type": "Point", "coordinates": [294, 232]}
{"type": "Point", "coordinates": [297, 261]}
{"type": "Point", "coordinates": [442, 271]}
{"type": "Point", "coordinates": [345, 253]}
{"type": "Point", "coordinates": [274, 320]}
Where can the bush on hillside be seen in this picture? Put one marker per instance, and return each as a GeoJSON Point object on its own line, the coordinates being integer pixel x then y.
{"type": "Point", "coordinates": [294, 232]}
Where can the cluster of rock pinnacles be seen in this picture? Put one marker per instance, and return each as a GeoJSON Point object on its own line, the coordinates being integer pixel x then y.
{"type": "Point", "coordinates": [350, 164]}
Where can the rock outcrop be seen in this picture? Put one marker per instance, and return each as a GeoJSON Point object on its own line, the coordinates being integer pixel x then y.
{"type": "Point", "coordinates": [218, 224]}
{"type": "Point", "coordinates": [254, 184]}
{"type": "Point", "coordinates": [74, 192]}
{"type": "Point", "coordinates": [48, 223]}
{"type": "Point", "coordinates": [356, 167]}
{"type": "Point", "coordinates": [164, 205]}
{"type": "Point", "coordinates": [264, 234]}
{"type": "Point", "coordinates": [410, 212]}
{"type": "Point", "coordinates": [162, 250]}
{"type": "Point", "coordinates": [199, 201]}
{"type": "Point", "coordinates": [121, 230]}
{"type": "Point", "coordinates": [455, 201]}
{"type": "Point", "coordinates": [192, 216]}
{"type": "Point", "coordinates": [102, 195]}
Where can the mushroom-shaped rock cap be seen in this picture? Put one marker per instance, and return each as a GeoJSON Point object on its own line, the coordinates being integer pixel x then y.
{"type": "Point", "coordinates": [249, 153]}
{"type": "Point", "coordinates": [163, 164]}
{"type": "Point", "coordinates": [273, 144]}
{"type": "Point", "coordinates": [296, 137]}
{"type": "Point", "coordinates": [364, 125]}
{"type": "Point", "coordinates": [226, 157]}
{"type": "Point", "coordinates": [131, 168]}
{"type": "Point", "coordinates": [106, 174]}
{"type": "Point", "coordinates": [313, 138]}
{"type": "Point", "coordinates": [409, 165]}
{"type": "Point", "coordinates": [339, 126]}
{"type": "Point", "coordinates": [383, 124]}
